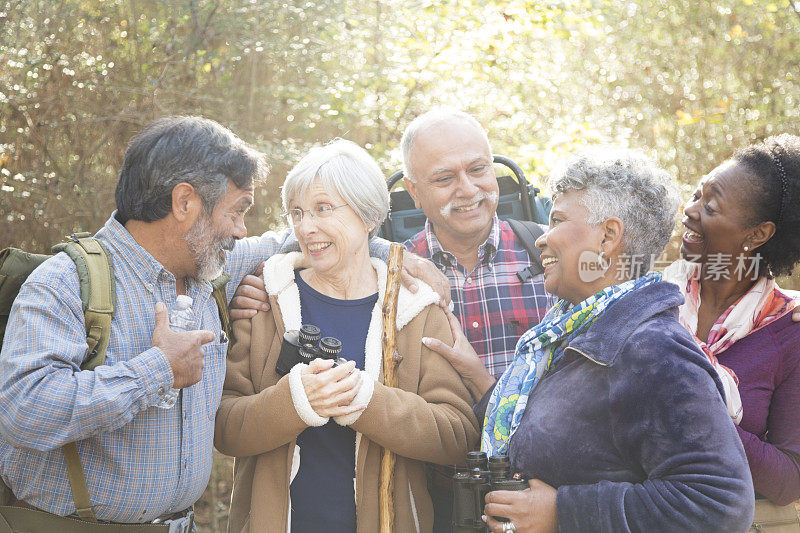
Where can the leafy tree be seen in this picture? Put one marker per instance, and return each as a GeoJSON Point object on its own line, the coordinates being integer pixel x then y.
{"type": "Point", "coordinates": [688, 82]}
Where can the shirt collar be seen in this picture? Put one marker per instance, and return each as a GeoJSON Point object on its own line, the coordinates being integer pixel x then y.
{"type": "Point", "coordinates": [119, 240]}
{"type": "Point", "coordinates": [489, 248]}
{"type": "Point", "coordinates": [486, 251]}
{"type": "Point", "coordinates": [438, 254]}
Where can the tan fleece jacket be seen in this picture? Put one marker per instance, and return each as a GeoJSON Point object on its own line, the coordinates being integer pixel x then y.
{"type": "Point", "coordinates": [427, 418]}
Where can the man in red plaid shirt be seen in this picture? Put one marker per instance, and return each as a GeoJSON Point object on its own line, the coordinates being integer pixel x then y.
{"type": "Point", "coordinates": [449, 173]}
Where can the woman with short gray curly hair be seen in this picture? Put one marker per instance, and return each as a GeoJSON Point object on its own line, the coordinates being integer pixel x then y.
{"type": "Point", "coordinates": [628, 185]}
{"type": "Point", "coordinates": [609, 408]}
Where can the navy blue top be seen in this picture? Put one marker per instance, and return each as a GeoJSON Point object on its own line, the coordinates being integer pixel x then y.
{"type": "Point", "coordinates": [323, 497]}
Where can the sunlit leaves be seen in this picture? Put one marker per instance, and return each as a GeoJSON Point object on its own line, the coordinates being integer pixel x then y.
{"type": "Point", "coordinates": [687, 81]}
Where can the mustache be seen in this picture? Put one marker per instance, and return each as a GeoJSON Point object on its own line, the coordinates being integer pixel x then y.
{"type": "Point", "coordinates": [447, 209]}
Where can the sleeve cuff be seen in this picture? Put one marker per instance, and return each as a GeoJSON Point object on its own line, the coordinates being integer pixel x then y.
{"type": "Point", "coordinates": [288, 242]}
{"type": "Point", "coordinates": [154, 375]}
{"type": "Point", "coordinates": [577, 507]}
{"type": "Point", "coordinates": [363, 397]}
{"type": "Point", "coordinates": [300, 400]}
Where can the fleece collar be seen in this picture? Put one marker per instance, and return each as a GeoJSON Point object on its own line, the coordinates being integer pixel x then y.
{"type": "Point", "coordinates": [279, 282]}
{"type": "Point", "coordinates": [604, 339]}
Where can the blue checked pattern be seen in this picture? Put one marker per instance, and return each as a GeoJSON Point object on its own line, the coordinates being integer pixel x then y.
{"type": "Point", "coordinates": [495, 308]}
{"type": "Point", "coordinates": [140, 462]}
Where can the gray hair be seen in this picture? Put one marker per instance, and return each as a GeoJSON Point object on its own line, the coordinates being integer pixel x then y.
{"type": "Point", "coordinates": [178, 149]}
{"type": "Point", "coordinates": [437, 115]}
{"type": "Point", "coordinates": [628, 185]}
{"type": "Point", "coordinates": [348, 169]}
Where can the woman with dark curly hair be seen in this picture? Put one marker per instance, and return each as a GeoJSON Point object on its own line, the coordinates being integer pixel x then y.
{"type": "Point", "coordinates": [742, 230]}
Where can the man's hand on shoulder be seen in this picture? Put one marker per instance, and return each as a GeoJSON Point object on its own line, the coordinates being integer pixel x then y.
{"type": "Point", "coordinates": [183, 349]}
{"type": "Point", "coordinates": [250, 298]}
{"type": "Point", "coordinates": [415, 266]}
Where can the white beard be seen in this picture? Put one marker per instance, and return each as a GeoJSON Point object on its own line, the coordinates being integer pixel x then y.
{"type": "Point", "coordinates": [207, 245]}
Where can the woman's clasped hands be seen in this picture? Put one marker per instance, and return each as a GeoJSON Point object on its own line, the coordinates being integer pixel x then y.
{"type": "Point", "coordinates": [331, 390]}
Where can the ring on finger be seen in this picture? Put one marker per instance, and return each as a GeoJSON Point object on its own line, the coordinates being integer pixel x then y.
{"type": "Point", "coordinates": [509, 527]}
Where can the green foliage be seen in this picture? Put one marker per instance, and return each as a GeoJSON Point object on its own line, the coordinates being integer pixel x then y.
{"type": "Point", "coordinates": [686, 81]}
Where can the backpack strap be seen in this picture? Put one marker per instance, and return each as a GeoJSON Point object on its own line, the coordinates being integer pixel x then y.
{"type": "Point", "coordinates": [527, 232]}
{"type": "Point", "coordinates": [98, 294]}
{"type": "Point", "coordinates": [77, 483]}
{"type": "Point", "coordinates": [221, 297]}
{"type": "Point", "coordinates": [98, 298]}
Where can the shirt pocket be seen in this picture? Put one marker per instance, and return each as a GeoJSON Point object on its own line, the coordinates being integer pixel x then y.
{"type": "Point", "coordinates": [527, 304]}
{"type": "Point", "coordinates": [517, 321]}
{"type": "Point", "coordinates": [214, 374]}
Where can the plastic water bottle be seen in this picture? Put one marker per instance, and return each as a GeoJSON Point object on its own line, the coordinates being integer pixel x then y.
{"type": "Point", "coordinates": [181, 318]}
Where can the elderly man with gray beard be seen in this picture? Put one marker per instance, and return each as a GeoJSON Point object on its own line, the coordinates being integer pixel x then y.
{"type": "Point", "coordinates": [185, 186]}
{"type": "Point", "coordinates": [183, 190]}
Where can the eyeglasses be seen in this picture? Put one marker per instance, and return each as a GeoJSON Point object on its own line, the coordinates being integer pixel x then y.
{"type": "Point", "coordinates": [295, 215]}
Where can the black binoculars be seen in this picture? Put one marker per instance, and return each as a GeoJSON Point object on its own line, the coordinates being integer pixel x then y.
{"type": "Point", "coordinates": [473, 483]}
{"type": "Point", "coordinates": [305, 345]}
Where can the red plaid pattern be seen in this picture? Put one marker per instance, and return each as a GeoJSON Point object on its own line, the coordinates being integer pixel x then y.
{"type": "Point", "coordinates": [495, 308]}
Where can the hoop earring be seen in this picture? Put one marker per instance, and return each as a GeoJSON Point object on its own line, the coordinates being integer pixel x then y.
{"type": "Point", "coordinates": [602, 261]}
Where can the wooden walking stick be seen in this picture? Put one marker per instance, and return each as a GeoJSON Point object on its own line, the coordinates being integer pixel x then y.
{"type": "Point", "coordinates": [390, 361]}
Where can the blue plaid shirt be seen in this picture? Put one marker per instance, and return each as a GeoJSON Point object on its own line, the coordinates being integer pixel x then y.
{"type": "Point", "coordinates": [140, 461]}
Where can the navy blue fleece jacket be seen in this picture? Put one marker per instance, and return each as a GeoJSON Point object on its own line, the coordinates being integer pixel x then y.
{"type": "Point", "coordinates": [631, 428]}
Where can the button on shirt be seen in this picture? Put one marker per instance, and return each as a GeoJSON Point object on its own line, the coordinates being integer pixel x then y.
{"type": "Point", "coordinates": [140, 461]}
{"type": "Point", "coordinates": [495, 308]}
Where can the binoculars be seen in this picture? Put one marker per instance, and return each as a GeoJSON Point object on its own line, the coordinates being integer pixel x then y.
{"type": "Point", "coordinates": [473, 483]}
{"type": "Point", "coordinates": [305, 345]}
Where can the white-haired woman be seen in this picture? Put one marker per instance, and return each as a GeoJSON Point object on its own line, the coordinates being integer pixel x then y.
{"type": "Point", "coordinates": [308, 443]}
{"type": "Point", "coordinates": [609, 407]}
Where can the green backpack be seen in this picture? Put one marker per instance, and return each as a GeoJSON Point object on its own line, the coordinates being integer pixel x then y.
{"type": "Point", "coordinates": [98, 298]}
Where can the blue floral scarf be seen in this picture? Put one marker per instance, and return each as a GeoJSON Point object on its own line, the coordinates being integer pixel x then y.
{"type": "Point", "coordinates": [539, 348]}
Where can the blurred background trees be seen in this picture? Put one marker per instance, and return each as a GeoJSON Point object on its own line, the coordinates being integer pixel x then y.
{"type": "Point", "coordinates": [686, 81]}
